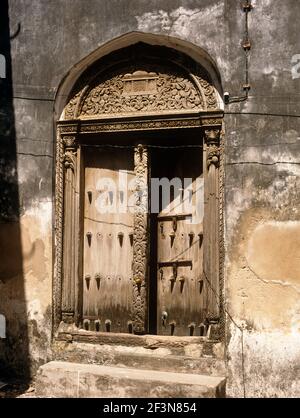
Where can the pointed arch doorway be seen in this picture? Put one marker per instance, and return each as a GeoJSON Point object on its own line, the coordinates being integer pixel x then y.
{"type": "Point", "coordinates": [138, 197]}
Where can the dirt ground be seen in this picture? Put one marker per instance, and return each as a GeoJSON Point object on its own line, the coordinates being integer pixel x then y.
{"type": "Point", "coordinates": [16, 389]}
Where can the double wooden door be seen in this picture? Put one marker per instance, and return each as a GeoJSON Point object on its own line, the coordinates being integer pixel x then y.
{"type": "Point", "coordinates": [175, 282]}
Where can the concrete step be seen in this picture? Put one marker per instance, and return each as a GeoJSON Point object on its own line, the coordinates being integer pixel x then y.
{"type": "Point", "coordinates": [64, 379]}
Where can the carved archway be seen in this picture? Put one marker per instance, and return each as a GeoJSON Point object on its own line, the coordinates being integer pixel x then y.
{"type": "Point", "coordinates": [140, 88]}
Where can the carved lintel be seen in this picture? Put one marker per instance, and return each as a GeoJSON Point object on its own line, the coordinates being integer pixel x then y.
{"type": "Point", "coordinates": [67, 128]}
{"type": "Point", "coordinates": [140, 240]}
{"type": "Point", "coordinates": [143, 91]}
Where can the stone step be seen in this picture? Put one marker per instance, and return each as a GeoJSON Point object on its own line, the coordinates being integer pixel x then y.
{"type": "Point", "coordinates": [141, 358]}
{"type": "Point", "coordinates": [64, 379]}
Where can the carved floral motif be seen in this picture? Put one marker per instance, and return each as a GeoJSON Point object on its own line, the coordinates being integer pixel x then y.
{"type": "Point", "coordinates": [212, 141]}
{"type": "Point", "coordinates": [70, 159]}
{"type": "Point", "coordinates": [140, 239]}
{"type": "Point", "coordinates": [71, 106]}
{"type": "Point", "coordinates": [142, 91]}
{"type": "Point", "coordinates": [173, 93]}
{"type": "Point", "coordinates": [69, 141]}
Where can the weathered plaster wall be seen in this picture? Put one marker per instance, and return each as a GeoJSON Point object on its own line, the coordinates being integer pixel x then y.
{"type": "Point", "coordinates": [262, 168]}
{"type": "Point", "coordinates": [262, 212]}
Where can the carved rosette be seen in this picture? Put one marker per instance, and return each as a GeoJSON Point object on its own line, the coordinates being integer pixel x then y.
{"type": "Point", "coordinates": [69, 161]}
{"type": "Point", "coordinates": [140, 240]}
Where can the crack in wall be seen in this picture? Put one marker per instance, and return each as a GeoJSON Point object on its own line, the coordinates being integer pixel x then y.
{"type": "Point", "coordinates": [271, 281]}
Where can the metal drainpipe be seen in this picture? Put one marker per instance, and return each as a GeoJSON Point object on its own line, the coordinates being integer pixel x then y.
{"type": "Point", "coordinates": [246, 45]}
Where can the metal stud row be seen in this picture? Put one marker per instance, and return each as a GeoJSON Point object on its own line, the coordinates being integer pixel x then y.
{"type": "Point", "coordinates": [95, 325]}
{"type": "Point", "coordinates": [120, 237]}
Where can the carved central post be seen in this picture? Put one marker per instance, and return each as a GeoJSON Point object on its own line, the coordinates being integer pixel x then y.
{"type": "Point", "coordinates": [69, 230]}
{"type": "Point", "coordinates": [211, 222]}
{"type": "Point", "coordinates": [140, 240]}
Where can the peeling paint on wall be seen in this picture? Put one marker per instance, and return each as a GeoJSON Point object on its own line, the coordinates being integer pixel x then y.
{"type": "Point", "coordinates": [270, 360]}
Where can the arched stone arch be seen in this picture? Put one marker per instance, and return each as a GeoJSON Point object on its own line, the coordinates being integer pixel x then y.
{"type": "Point", "coordinates": [195, 53]}
{"type": "Point", "coordinates": [142, 79]}
{"type": "Point", "coordinates": [138, 88]}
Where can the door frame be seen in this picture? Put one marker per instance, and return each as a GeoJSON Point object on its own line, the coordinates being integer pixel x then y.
{"type": "Point", "coordinates": [203, 115]}
{"type": "Point", "coordinates": [68, 293]}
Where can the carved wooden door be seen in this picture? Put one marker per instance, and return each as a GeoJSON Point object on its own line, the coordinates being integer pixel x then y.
{"type": "Point", "coordinates": [108, 240]}
{"type": "Point", "coordinates": [180, 304]}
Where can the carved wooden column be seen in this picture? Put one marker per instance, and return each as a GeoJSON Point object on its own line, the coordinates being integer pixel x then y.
{"type": "Point", "coordinates": [140, 241]}
{"type": "Point", "coordinates": [70, 249]}
{"type": "Point", "coordinates": [211, 231]}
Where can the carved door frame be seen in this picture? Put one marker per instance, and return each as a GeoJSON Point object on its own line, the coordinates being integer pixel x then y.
{"type": "Point", "coordinates": [206, 117]}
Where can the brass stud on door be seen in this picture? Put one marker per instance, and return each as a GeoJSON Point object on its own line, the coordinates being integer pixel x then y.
{"type": "Point", "coordinates": [88, 281]}
{"type": "Point", "coordinates": [90, 194]}
{"type": "Point", "coordinates": [86, 324]}
{"type": "Point", "coordinates": [172, 237]}
{"type": "Point", "coordinates": [121, 237]}
{"type": "Point", "coordinates": [192, 328]}
{"type": "Point", "coordinates": [202, 329]}
{"type": "Point", "coordinates": [107, 325]}
{"type": "Point", "coordinates": [89, 238]}
{"type": "Point", "coordinates": [172, 280]}
{"type": "Point", "coordinates": [172, 325]}
{"type": "Point", "coordinates": [181, 280]}
{"type": "Point", "coordinates": [200, 235]}
{"type": "Point", "coordinates": [130, 327]}
{"type": "Point", "coordinates": [131, 238]}
{"type": "Point", "coordinates": [191, 237]}
{"type": "Point", "coordinates": [97, 325]}
{"type": "Point", "coordinates": [164, 317]}
{"type": "Point", "coordinates": [98, 280]}
{"type": "Point", "coordinates": [200, 281]}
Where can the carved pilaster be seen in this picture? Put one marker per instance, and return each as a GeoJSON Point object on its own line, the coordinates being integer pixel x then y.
{"type": "Point", "coordinates": [211, 221]}
{"type": "Point", "coordinates": [140, 241]}
{"type": "Point", "coordinates": [59, 204]}
{"type": "Point", "coordinates": [69, 161]}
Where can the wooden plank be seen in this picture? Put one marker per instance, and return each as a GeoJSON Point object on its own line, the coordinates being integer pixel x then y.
{"type": "Point", "coordinates": [180, 296]}
{"type": "Point", "coordinates": [107, 272]}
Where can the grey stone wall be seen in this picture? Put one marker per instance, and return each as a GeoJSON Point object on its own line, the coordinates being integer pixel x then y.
{"type": "Point", "coordinates": [42, 41]}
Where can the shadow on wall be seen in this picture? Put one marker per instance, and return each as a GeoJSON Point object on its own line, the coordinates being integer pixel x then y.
{"type": "Point", "coordinates": [14, 356]}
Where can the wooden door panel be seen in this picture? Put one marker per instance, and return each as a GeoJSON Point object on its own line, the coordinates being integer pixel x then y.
{"type": "Point", "coordinates": [180, 284]}
{"type": "Point", "coordinates": [107, 254]}
{"type": "Point", "coordinates": [180, 295]}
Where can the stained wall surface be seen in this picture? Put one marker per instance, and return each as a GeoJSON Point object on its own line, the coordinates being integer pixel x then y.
{"type": "Point", "coordinates": [42, 41]}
